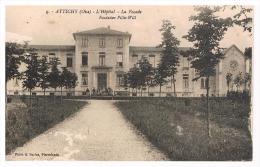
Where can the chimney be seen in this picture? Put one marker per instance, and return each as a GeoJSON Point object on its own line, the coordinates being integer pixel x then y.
{"type": "Point", "coordinates": [108, 27]}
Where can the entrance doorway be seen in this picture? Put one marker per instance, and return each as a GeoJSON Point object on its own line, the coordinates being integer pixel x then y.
{"type": "Point", "coordinates": [102, 81]}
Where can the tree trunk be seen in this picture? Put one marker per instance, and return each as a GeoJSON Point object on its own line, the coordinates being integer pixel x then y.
{"type": "Point", "coordinates": [61, 94]}
{"type": "Point", "coordinates": [30, 98]}
{"type": "Point", "coordinates": [54, 95]}
{"type": "Point", "coordinates": [174, 88]}
{"type": "Point", "coordinates": [228, 87]}
{"type": "Point", "coordinates": [44, 98]}
{"type": "Point", "coordinates": [141, 91]}
{"type": "Point", "coordinates": [207, 112]}
{"type": "Point", "coordinates": [148, 90]}
{"type": "Point", "coordinates": [160, 90]}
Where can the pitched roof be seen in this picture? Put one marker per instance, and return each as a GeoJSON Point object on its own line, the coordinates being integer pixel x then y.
{"type": "Point", "coordinates": [233, 46]}
{"type": "Point", "coordinates": [53, 47]}
{"type": "Point", "coordinates": [102, 31]}
{"type": "Point", "coordinates": [152, 49]}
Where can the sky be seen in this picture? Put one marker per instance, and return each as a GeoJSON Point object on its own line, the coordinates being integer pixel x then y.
{"type": "Point", "coordinates": [53, 28]}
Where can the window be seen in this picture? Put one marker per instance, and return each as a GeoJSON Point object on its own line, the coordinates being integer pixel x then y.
{"type": "Point", "coordinates": [84, 78]}
{"type": "Point", "coordinates": [203, 83]}
{"type": "Point", "coordinates": [185, 81]}
{"type": "Point", "coordinates": [84, 41]}
{"type": "Point", "coordinates": [102, 42]}
{"type": "Point", "coordinates": [120, 43]}
{"type": "Point", "coordinates": [69, 61]}
{"type": "Point", "coordinates": [119, 80]}
{"type": "Point", "coordinates": [102, 56]}
{"type": "Point", "coordinates": [119, 59]}
{"type": "Point", "coordinates": [152, 60]}
{"type": "Point", "coordinates": [84, 58]}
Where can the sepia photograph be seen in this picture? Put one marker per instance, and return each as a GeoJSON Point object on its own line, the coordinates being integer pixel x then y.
{"type": "Point", "coordinates": [129, 83]}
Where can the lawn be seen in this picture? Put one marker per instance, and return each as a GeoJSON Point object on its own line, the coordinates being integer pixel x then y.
{"type": "Point", "coordinates": [24, 123]}
{"type": "Point", "coordinates": [178, 127]}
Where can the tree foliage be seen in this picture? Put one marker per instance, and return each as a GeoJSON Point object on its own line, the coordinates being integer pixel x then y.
{"type": "Point", "coordinates": [243, 18]}
{"type": "Point", "coordinates": [31, 75]}
{"type": "Point", "coordinates": [43, 73]}
{"type": "Point", "coordinates": [146, 72]}
{"type": "Point", "coordinates": [68, 78]}
{"type": "Point", "coordinates": [229, 78]}
{"type": "Point", "coordinates": [238, 81]}
{"type": "Point", "coordinates": [248, 53]}
{"type": "Point", "coordinates": [170, 53]}
{"type": "Point", "coordinates": [54, 75]}
{"type": "Point", "coordinates": [160, 76]}
{"type": "Point", "coordinates": [133, 76]}
{"type": "Point", "coordinates": [208, 30]}
{"type": "Point", "coordinates": [14, 56]}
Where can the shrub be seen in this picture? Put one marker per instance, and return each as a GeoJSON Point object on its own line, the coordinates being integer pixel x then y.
{"type": "Point", "coordinates": [187, 102]}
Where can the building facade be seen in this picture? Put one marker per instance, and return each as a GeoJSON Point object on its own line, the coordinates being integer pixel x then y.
{"type": "Point", "coordinates": [101, 56]}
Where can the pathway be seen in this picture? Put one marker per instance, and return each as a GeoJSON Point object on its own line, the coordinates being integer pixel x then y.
{"type": "Point", "coordinates": [97, 132]}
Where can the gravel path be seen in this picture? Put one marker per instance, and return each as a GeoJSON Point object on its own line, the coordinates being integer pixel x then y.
{"type": "Point", "coordinates": [97, 132]}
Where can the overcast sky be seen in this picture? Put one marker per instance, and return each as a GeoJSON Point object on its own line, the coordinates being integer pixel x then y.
{"type": "Point", "coordinates": [53, 28]}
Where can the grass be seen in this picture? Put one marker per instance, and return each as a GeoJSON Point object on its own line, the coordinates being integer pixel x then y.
{"type": "Point", "coordinates": [23, 123]}
{"type": "Point", "coordinates": [178, 127]}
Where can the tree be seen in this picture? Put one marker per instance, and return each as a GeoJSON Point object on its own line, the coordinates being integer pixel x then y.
{"type": "Point", "coordinates": [54, 75]}
{"type": "Point", "coordinates": [229, 80]}
{"type": "Point", "coordinates": [63, 77]}
{"type": "Point", "coordinates": [248, 53]}
{"type": "Point", "coordinates": [208, 30]}
{"type": "Point", "coordinates": [170, 53]}
{"type": "Point", "coordinates": [238, 81]}
{"type": "Point", "coordinates": [151, 80]}
{"type": "Point", "coordinates": [160, 77]}
{"type": "Point", "coordinates": [145, 72]}
{"type": "Point", "coordinates": [14, 55]}
{"type": "Point", "coordinates": [43, 74]}
{"type": "Point", "coordinates": [243, 18]}
{"type": "Point", "coordinates": [31, 75]}
{"type": "Point", "coordinates": [72, 83]}
{"type": "Point", "coordinates": [67, 79]}
{"type": "Point", "coordinates": [247, 80]}
{"type": "Point", "coordinates": [133, 77]}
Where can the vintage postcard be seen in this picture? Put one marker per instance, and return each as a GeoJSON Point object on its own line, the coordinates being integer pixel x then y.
{"type": "Point", "coordinates": [129, 83]}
